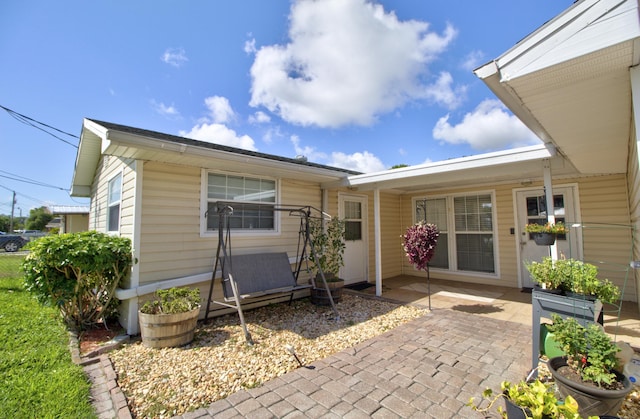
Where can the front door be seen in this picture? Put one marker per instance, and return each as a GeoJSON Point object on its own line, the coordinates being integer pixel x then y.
{"type": "Point", "coordinates": [353, 210]}
{"type": "Point", "coordinates": [532, 208]}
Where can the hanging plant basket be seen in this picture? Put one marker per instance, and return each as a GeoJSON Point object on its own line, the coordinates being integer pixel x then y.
{"type": "Point", "coordinates": [544, 239]}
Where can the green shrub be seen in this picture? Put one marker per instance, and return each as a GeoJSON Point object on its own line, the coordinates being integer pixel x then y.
{"type": "Point", "coordinates": [173, 301]}
{"type": "Point", "coordinates": [78, 273]}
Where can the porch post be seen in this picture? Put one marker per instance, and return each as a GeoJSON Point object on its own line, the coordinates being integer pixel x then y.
{"type": "Point", "coordinates": [548, 190]}
{"type": "Point", "coordinates": [377, 240]}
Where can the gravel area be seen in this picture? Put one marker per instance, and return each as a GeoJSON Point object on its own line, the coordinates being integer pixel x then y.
{"type": "Point", "coordinates": [161, 383]}
{"type": "Point", "coordinates": [165, 382]}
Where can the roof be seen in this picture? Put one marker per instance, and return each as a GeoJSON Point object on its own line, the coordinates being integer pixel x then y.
{"type": "Point", "coordinates": [68, 209]}
{"type": "Point", "coordinates": [569, 82]}
{"type": "Point", "coordinates": [99, 137]}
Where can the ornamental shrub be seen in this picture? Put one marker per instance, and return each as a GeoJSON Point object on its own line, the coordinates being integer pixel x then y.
{"type": "Point", "coordinates": [78, 273]}
{"type": "Point", "coordinates": [419, 243]}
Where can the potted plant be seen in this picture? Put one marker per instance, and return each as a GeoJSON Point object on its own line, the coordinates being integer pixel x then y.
{"type": "Point", "coordinates": [327, 257]}
{"type": "Point", "coordinates": [171, 318]}
{"type": "Point", "coordinates": [545, 234]}
{"type": "Point", "coordinates": [587, 372]}
{"type": "Point", "coordinates": [573, 277]}
{"type": "Point", "coordinates": [529, 400]}
{"type": "Point", "coordinates": [419, 244]}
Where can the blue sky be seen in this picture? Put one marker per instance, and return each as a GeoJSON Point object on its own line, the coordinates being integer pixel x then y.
{"type": "Point", "coordinates": [363, 85]}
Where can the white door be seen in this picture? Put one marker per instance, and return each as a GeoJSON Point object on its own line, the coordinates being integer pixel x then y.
{"type": "Point", "coordinates": [353, 210]}
{"type": "Point", "coordinates": [532, 208]}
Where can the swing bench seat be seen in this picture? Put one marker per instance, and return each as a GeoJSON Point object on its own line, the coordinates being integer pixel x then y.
{"type": "Point", "coordinates": [259, 275]}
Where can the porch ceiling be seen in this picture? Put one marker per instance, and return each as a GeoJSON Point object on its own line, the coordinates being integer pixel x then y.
{"type": "Point", "coordinates": [569, 82]}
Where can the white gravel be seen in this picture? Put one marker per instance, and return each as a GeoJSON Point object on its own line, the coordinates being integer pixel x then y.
{"type": "Point", "coordinates": [162, 383]}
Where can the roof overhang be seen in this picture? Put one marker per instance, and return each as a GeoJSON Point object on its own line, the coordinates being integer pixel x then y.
{"type": "Point", "coordinates": [523, 165]}
{"type": "Point", "coordinates": [97, 140]}
{"type": "Point", "coordinates": [569, 82]}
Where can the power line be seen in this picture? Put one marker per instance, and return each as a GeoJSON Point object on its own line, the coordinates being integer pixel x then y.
{"type": "Point", "coordinates": [31, 181]}
{"type": "Point", "coordinates": [39, 125]}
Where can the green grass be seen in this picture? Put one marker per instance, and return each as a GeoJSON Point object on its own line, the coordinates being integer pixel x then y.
{"type": "Point", "coordinates": [38, 378]}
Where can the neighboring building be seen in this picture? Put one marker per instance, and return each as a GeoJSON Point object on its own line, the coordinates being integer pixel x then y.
{"type": "Point", "coordinates": [572, 82]}
{"type": "Point", "coordinates": [69, 218]}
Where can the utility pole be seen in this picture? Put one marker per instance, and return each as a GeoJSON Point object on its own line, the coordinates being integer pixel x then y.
{"type": "Point", "coordinates": [13, 205]}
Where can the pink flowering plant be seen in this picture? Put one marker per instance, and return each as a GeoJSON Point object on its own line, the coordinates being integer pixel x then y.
{"type": "Point", "coordinates": [419, 243]}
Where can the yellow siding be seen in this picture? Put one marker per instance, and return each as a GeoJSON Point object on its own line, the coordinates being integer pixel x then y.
{"type": "Point", "coordinates": [171, 244]}
{"type": "Point", "coordinates": [633, 185]}
{"type": "Point", "coordinates": [391, 242]}
{"type": "Point", "coordinates": [602, 200]}
{"type": "Point", "coordinates": [109, 167]}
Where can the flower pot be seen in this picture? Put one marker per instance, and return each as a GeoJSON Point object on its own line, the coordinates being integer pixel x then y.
{"type": "Point", "coordinates": [593, 401]}
{"type": "Point", "coordinates": [544, 239]}
{"type": "Point", "coordinates": [548, 345]}
{"type": "Point", "coordinates": [168, 330]}
{"type": "Point", "coordinates": [319, 294]}
{"type": "Point", "coordinates": [514, 411]}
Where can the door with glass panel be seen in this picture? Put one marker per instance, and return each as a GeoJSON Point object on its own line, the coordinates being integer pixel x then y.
{"type": "Point", "coordinates": [532, 208]}
{"type": "Point", "coordinates": [353, 210]}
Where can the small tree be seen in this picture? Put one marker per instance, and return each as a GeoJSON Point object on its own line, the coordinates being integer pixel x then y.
{"type": "Point", "coordinates": [79, 273]}
{"type": "Point", "coordinates": [38, 219]}
{"type": "Point", "coordinates": [419, 243]}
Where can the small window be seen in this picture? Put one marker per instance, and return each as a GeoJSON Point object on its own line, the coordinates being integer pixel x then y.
{"type": "Point", "coordinates": [113, 203]}
{"type": "Point", "coordinates": [252, 200]}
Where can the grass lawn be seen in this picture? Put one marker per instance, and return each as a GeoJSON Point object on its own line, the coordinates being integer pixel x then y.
{"type": "Point", "coordinates": [39, 380]}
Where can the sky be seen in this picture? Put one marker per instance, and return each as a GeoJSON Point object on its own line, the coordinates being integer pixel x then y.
{"type": "Point", "coordinates": [362, 85]}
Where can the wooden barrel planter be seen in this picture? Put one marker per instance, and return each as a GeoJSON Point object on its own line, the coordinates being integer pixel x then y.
{"type": "Point", "coordinates": [168, 330]}
{"type": "Point", "coordinates": [319, 294]}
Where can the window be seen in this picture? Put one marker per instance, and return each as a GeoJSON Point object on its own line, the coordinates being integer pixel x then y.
{"type": "Point", "coordinates": [469, 245]}
{"type": "Point", "coordinates": [252, 200]}
{"type": "Point", "coordinates": [113, 203]}
{"type": "Point", "coordinates": [434, 211]}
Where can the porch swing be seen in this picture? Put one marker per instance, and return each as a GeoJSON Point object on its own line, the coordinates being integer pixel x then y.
{"type": "Point", "coordinates": [261, 274]}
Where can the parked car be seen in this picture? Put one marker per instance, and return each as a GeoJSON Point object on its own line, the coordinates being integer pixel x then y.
{"type": "Point", "coordinates": [11, 242]}
{"type": "Point", "coordinates": [29, 235]}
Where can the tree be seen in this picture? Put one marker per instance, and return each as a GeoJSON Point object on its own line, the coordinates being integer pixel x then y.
{"type": "Point", "coordinates": [38, 219]}
{"type": "Point", "coordinates": [5, 221]}
{"type": "Point", "coordinates": [399, 166]}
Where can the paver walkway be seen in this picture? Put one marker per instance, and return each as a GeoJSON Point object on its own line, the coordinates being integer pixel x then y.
{"type": "Point", "coordinates": [428, 368]}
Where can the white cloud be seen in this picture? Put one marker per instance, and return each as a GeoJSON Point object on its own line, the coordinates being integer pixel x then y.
{"type": "Point", "coordinates": [219, 109]}
{"type": "Point", "coordinates": [164, 110]}
{"type": "Point", "coordinates": [250, 46]}
{"type": "Point", "coordinates": [473, 60]}
{"type": "Point", "coordinates": [259, 118]}
{"type": "Point", "coordinates": [174, 56]}
{"type": "Point", "coordinates": [309, 152]}
{"type": "Point", "coordinates": [364, 162]}
{"type": "Point", "coordinates": [212, 129]}
{"type": "Point", "coordinates": [347, 62]}
{"type": "Point", "coordinates": [443, 94]}
{"type": "Point", "coordinates": [219, 134]}
{"type": "Point", "coordinates": [488, 127]}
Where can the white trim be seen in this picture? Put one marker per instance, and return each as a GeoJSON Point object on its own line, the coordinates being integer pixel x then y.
{"type": "Point", "coordinates": [377, 232]}
{"type": "Point", "coordinates": [451, 232]}
{"type": "Point", "coordinates": [204, 205]}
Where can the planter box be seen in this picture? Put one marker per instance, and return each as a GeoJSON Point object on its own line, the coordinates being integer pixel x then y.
{"type": "Point", "coordinates": [543, 303]}
{"type": "Point", "coordinates": [319, 294]}
{"type": "Point", "coordinates": [168, 330]}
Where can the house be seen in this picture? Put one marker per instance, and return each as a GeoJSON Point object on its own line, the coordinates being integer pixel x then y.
{"type": "Point", "coordinates": [571, 82]}
{"type": "Point", "coordinates": [69, 218]}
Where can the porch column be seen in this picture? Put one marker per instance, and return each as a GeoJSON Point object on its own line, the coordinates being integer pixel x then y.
{"type": "Point", "coordinates": [377, 240]}
{"type": "Point", "coordinates": [548, 190]}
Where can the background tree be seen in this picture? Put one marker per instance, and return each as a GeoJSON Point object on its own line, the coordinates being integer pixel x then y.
{"type": "Point", "coordinates": [38, 219]}
{"type": "Point", "coordinates": [5, 221]}
{"type": "Point", "coordinates": [398, 166]}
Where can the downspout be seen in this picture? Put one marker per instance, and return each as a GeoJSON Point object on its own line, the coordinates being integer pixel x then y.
{"type": "Point", "coordinates": [548, 190]}
{"type": "Point", "coordinates": [377, 240]}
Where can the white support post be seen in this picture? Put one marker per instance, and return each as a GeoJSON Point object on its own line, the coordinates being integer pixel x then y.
{"type": "Point", "coordinates": [548, 190]}
{"type": "Point", "coordinates": [377, 240]}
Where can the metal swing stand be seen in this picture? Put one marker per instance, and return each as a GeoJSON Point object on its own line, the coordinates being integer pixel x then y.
{"type": "Point", "coordinates": [263, 277]}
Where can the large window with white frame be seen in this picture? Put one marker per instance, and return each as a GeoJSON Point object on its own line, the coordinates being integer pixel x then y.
{"type": "Point", "coordinates": [114, 197]}
{"type": "Point", "coordinates": [465, 223]}
{"type": "Point", "coordinates": [253, 200]}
